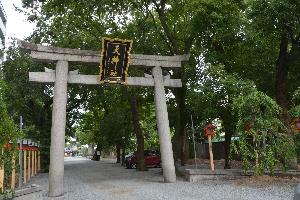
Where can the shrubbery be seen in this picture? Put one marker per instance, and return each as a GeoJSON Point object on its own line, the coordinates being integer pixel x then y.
{"type": "Point", "coordinates": [9, 133]}
{"type": "Point", "coordinates": [264, 144]}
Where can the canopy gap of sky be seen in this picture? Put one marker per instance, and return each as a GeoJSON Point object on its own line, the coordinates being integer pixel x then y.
{"type": "Point", "coordinates": [17, 26]}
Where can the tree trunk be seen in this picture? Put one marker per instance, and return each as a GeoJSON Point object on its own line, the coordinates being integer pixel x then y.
{"type": "Point", "coordinates": [45, 137]}
{"type": "Point", "coordinates": [138, 132]}
{"type": "Point", "coordinates": [118, 153]}
{"type": "Point", "coordinates": [281, 89]}
{"type": "Point", "coordinates": [97, 154]}
{"type": "Point", "coordinates": [180, 138]}
{"type": "Point", "coordinates": [123, 155]}
{"type": "Point", "coordinates": [229, 128]}
{"type": "Point", "coordinates": [227, 150]}
{"type": "Point", "coordinates": [281, 84]}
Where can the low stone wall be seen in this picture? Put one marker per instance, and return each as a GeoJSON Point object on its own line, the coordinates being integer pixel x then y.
{"type": "Point", "coordinates": [194, 175]}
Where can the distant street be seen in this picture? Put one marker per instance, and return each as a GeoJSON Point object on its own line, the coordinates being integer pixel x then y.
{"type": "Point", "coordinates": [91, 180]}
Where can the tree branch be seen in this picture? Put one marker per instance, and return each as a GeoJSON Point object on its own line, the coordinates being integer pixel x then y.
{"type": "Point", "coordinates": [188, 44]}
{"type": "Point", "coordinates": [160, 33]}
{"type": "Point", "coordinates": [290, 32]}
{"type": "Point", "coordinates": [163, 20]}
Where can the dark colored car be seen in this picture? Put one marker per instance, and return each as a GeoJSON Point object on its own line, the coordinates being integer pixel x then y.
{"type": "Point", "coordinates": [152, 159]}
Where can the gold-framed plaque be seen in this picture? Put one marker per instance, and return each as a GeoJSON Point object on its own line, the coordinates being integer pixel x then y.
{"type": "Point", "coordinates": [115, 59]}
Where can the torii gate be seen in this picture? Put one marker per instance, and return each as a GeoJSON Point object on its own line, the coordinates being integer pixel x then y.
{"type": "Point", "coordinates": [61, 77]}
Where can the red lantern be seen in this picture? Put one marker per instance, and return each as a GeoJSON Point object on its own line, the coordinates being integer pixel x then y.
{"type": "Point", "coordinates": [297, 124]}
{"type": "Point", "coordinates": [209, 130]}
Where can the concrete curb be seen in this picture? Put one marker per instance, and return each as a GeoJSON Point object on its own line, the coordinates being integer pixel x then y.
{"type": "Point", "coordinates": [32, 189]}
{"type": "Point", "coordinates": [193, 175]}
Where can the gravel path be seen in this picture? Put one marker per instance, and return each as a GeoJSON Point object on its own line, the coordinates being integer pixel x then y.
{"type": "Point", "coordinates": [90, 180]}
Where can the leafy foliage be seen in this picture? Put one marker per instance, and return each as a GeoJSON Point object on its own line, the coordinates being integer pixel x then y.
{"type": "Point", "coordinates": [8, 129]}
{"type": "Point", "coordinates": [28, 99]}
{"type": "Point", "coordinates": [295, 110]}
{"type": "Point", "coordinates": [9, 133]}
{"type": "Point", "coordinates": [261, 138]}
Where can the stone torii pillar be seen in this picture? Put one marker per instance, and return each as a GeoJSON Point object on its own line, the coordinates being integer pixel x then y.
{"type": "Point", "coordinates": [61, 77]}
{"type": "Point", "coordinates": [56, 169]}
{"type": "Point", "coordinates": [163, 126]}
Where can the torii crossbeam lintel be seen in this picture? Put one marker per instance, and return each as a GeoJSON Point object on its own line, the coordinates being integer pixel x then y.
{"type": "Point", "coordinates": [49, 77]}
{"type": "Point", "coordinates": [52, 54]}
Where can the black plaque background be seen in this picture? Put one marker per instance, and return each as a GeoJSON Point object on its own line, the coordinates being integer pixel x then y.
{"type": "Point", "coordinates": [106, 67]}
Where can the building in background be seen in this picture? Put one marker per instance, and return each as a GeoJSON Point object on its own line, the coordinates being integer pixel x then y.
{"type": "Point", "coordinates": [2, 29]}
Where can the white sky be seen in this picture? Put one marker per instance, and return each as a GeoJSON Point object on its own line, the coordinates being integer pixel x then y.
{"type": "Point", "coordinates": [16, 26]}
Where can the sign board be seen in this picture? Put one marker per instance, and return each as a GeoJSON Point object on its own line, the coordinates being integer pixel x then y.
{"type": "Point", "coordinates": [115, 60]}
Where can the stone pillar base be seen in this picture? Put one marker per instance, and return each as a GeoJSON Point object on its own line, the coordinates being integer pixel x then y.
{"type": "Point", "coordinates": [56, 198]}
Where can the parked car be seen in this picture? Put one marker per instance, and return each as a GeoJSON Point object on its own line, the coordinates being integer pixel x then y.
{"type": "Point", "coordinates": [128, 155]}
{"type": "Point", "coordinates": [152, 159]}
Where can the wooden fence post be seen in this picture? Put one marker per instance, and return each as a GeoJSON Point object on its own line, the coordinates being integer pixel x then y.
{"type": "Point", "coordinates": [32, 163]}
{"type": "Point", "coordinates": [39, 160]}
{"type": "Point", "coordinates": [25, 166]}
{"type": "Point", "coordinates": [211, 155]}
{"type": "Point", "coordinates": [2, 173]}
{"type": "Point", "coordinates": [29, 165]}
{"type": "Point", "coordinates": [35, 162]}
{"type": "Point", "coordinates": [13, 174]}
